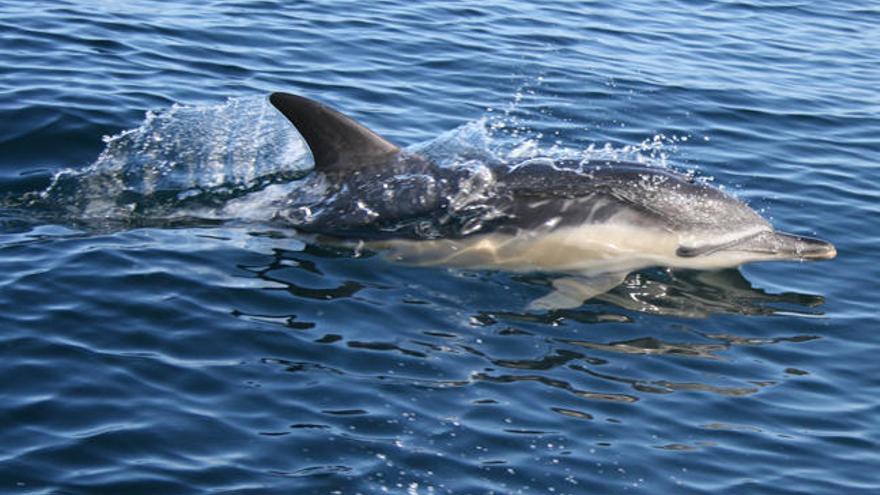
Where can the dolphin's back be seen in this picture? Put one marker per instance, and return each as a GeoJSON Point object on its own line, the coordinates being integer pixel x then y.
{"type": "Point", "coordinates": [546, 196]}
{"type": "Point", "coordinates": [608, 192]}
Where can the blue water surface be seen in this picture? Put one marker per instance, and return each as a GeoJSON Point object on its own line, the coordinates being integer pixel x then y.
{"type": "Point", "coordinates": [143, 352]}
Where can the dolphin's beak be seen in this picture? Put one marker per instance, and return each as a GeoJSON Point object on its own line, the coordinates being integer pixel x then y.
{"type": "Point", "coordinates": [768, 245]}
{"type": "Point", "coordinates": [788, 246]}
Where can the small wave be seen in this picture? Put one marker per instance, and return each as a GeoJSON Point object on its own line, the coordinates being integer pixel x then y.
{"type": "Point", "coordinates": [178, 157]}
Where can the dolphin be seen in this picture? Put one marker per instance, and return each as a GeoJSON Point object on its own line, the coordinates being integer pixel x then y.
{"type": "Point", "coordinates": [590, 222]}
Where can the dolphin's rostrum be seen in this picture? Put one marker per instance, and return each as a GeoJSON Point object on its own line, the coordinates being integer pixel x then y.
{"type": "Point", "coordinates": [593, 221]}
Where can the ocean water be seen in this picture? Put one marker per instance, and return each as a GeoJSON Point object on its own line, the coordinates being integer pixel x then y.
{"type": "Point", "coordinates": [161, 336]}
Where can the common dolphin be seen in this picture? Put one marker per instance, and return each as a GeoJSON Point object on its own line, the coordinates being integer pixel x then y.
{"type": "Point", "coordinates": [592, 221]}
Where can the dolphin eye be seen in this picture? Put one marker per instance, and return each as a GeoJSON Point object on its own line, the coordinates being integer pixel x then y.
{"type": "Point", "coordinates": [694, 251]}
{"type": "Point", "coordinates": [689, 252]}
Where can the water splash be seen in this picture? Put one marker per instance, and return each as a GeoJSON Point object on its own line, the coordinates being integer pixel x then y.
{"type": "Point", "coordinates": [181, 156]}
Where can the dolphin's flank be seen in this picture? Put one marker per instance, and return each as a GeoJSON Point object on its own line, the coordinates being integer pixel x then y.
{"type": "Point", "coordinates": [592, 222]}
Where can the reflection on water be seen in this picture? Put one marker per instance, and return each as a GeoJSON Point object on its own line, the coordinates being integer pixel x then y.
{"type": "Point", "coordinates": [699, 294]}
{"type": "Point", "coordinates": [588, 367]}
{"type": "Point", "coordinates": [653, 346]}
{"type": "Point", "coordinates": [677, 293]}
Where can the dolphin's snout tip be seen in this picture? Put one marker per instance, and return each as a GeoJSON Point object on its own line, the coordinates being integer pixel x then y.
{"type": "Point", "coordinates": [808, 248]}
{"type": "Point", "coordinates": [825, 252]}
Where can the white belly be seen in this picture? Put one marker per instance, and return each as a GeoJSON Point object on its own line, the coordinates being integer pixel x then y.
{"type": "Point", "coordinates": [584, 249]}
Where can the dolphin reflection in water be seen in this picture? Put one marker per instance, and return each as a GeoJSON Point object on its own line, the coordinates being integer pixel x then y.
{"type": "Point", "coordinates": [589, 222]}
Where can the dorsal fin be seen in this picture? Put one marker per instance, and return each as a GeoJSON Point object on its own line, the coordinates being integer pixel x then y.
{"type": "Point", "coordinates": [337, 142]}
